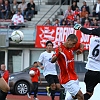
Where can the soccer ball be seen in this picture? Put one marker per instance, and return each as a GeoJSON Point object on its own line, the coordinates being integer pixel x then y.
{"type": "Point", "coordinates": [32, 72]}
{"type": "Point", "coordinates": [17, 36]}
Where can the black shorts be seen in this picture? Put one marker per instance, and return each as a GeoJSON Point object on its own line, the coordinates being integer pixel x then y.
{"type": "Point", "coordinates": [92, 78]}
{"type": "Point", "coordinates": [52, 79]}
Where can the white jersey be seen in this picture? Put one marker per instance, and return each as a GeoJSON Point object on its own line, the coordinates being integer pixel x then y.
{"type": "Point", "coordinates": [94, 54]}
{"type": "Point", "coordinates": [45, 59]}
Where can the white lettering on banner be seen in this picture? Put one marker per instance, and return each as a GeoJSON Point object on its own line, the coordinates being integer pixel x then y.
{"type": "Point", "coordinates": [85, 38]}
{"type": "Point", "coordinates": [86, 46]}
{"type": "Point", "coordinates": [62, 33]}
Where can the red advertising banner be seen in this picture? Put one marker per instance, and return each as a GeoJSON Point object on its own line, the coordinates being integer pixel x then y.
{"type": "Point", "coordinates": [58, 35]}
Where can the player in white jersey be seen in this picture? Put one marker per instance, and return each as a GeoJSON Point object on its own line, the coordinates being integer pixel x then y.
{"type": "Point", "coordinates": [92, 76]}
{"type": "Point", "coordinates": [49, 69]}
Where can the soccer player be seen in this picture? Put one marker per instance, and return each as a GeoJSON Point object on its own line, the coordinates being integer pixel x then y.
{"type": "Point", "coordinates": [65, 58]}
{"type": "Point", "coordinates": [49, 70]}
{"type": "Point", "coordinates": [92, 76]}
{"type": "Point", "coordinates": [34, 79]}
{"type": "Point", "coordinates": [4, 87]}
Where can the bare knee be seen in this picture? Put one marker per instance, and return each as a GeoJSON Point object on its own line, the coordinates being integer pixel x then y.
{"type": "Point", "coordinates": [58, 86]}
{"type": "Point", "coordinates": [53, 86]}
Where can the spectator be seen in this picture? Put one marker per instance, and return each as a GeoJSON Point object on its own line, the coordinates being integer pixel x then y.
{"type": "Point", "coordinates": [22, 6]}
{"type": "Point", "coordinates": [56, 23]}
{"type": "Point", "coordinates": [76, 12]}
{"type": "Point", "coordinates": [17, 20]}
{"type": "Point", "coordinates": [63, 22]}
{"type": "Point", "coordinates": [48, 23]}
{"type": "Point", "coordinates": [1, 7]}
{"type": "Point", "coordinates": [70, 23]}
{"type": "Point", "coordinates": [96, 9]}
{"type": "Point", "coordinates": [69, 10]}
{"type": "Point", "coordinates": [30, 9]}
{"type": "Point", "coordinates": [74, 5]}
{"type": "Point", "coordinates": [83, 12]}
{"type": "Point", "coordinates": [5, 12]}
{"type": "Point", "coordinates": [77, 17]}
{"type": "Point", "coordinates": [87, 23]}
{"type": "Point", "coordinates": [5, 75]}
{"type": "Point", "coordinates": [85, 5]}
{"type": "Point", "coordinates": [75, 1]}
{"type": "Point", "coordinates": [86, 17]}
{"type": "Point", "coordinates": [94, 22]}
{"type": "Point", "coordinates": [77, 21]}
{"type": "Point", "coordinates": [14, 7]}
{"type": "Point", "coordinates": [70, 17]}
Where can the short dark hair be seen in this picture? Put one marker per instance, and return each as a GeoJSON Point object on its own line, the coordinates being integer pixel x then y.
{"type": "Point", "coordinates": [49, 42]}
{"type": "Point", "coordinates": [35, 62]}
{"type": "Point", "coordinates": [72, 36]}
{"type": "Point", "coordinates": [19, 10]}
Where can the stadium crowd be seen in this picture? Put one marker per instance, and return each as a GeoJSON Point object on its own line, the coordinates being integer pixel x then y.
{"type": "Point", "coordinates": [10, 7]}
{"type": "Point", "coordinates": [74, 14]}
{"type": "Point", "coordinates": [80, 15]}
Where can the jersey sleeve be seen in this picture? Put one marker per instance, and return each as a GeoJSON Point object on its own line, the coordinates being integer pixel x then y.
{"type": "Point", "coordinates": [6, 75]}
{"type": "Point", "coordinates": [56, 52]}
{"type": "Point", "coordinates": [38, 72]}
{"type": "Point", "coordinates": [77, 46]}
{"type": "Point", "coordinates": [40, 58]}
{"type": "Point", "coordinates": [95, 31]}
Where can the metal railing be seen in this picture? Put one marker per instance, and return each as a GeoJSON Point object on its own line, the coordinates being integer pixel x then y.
{"type": "Point", "coordinates": [55, 11]}
{"type": "Point", "coordinates": [51, 9]}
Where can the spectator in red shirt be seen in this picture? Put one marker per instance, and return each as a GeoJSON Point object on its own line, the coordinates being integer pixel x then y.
{"type": "Point", "coordinates": [86, 24]}
{"type": "Point", "coordinates": [34, 79]}
{"type": "Point", "coordinates": [69, 10]}
{"type": "Point", "coordinates": [64, 55]}
{"type": "Point", "coordinates": [5, 75]}
{"type": "Point", "coordinates": [77, 12]}
{"type": "Point", "coordinates": [70, 17]}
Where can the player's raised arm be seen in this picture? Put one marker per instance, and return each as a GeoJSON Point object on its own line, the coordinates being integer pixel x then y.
{"type": "Point", "coordinates": [95, 31]}
{"type": "Point", "coordinates": [55, 56]}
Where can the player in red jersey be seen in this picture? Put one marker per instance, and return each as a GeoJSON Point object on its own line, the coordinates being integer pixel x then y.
{"type": "Point", "coordinates": [34, 79]}
{"type": "Point", "coordinates": [65, 58]}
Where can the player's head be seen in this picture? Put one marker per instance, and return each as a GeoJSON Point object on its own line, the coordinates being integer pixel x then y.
{"type": "Point", "coordinates": [19, 12]}
{"type": "Point", "coordinates": [49, 46]}
{"type": "Point", "coordinates": [35, 64]}
{"type": "Point", "coordinates": [71, 41]}
{"type": "Point", "coordinates": [3, 67]}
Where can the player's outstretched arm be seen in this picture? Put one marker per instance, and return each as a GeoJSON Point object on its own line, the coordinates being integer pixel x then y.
{"type": "Point", "coordinates": [95, 31]}
{"type": "Point", "coordinates": [3, 85]}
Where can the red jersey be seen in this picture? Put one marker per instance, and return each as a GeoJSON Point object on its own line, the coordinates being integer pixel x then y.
{"type": "Point", "coordinates": [76, 12]}
{"type": "Point", "coordinates": [6, 75]}
{"type": "Point", "coordinates": [66, 64]}
{"type": "Point", "coordinates": [36, 76]}
{"type": "Point", "coordinates": [70, 17]}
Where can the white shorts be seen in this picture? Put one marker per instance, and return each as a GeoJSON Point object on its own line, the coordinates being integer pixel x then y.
{"type": "Point", "coordinates": [72, 87]}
